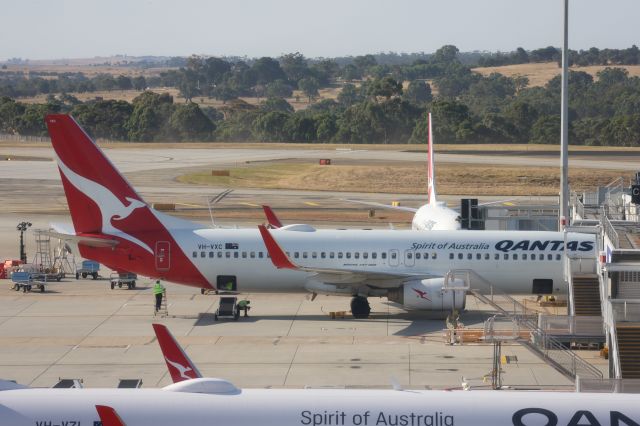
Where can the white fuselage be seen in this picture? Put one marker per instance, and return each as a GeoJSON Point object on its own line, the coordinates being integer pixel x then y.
{"type": "Point", "coordinates": [309, 407]}
{"type": "Point", "coordinates": [509, 260]}
{"type": "Point", "coordinates": [435, 217]}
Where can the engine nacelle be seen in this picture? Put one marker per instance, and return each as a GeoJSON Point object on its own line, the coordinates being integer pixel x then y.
{"type": "Point", "coordinates": [428, 295]}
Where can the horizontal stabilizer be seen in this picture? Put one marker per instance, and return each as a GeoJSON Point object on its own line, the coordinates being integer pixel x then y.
{"type": "Point", "coordinates": [87, 240]}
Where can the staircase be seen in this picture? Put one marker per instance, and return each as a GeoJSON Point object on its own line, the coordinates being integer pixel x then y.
{"type": "Point", "coordinates": [586, 296]}
{"type": "Point", "coordinates": [629, 349]}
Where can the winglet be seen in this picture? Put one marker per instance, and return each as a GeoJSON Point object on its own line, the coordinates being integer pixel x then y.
{"type": "Point", "coordinates": [431, 184]}
{"type": "Point", "coordinates": [273, 220]}
{"type": "Point", "coordinates": [108, 416]}
{"type": "Point", "coordinates": [278, 257]}
{"type": "Point", "coordinates": [178, 363]}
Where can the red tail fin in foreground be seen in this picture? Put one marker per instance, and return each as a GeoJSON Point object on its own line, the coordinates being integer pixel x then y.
{"type": "Point", "coordinates": [108, 416]}
{"type": "Point", "coordinates": [179, 365]}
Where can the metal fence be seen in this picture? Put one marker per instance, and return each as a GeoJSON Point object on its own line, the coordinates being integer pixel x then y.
{"type": "Point", "coordinates": [608, 385]}
{"type": "Point", "coordinates": [23, 138]}
{"type": "Point", "coordinates": [625, 310]}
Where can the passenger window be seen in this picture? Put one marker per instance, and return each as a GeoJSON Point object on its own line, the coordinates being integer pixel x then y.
{"type": "Point", "coordinates": [409, 255]}
{"type": "Point", "coordinates": [374, 255]}
{"type": "Point", "coordinates": [304, 254]}
{"type": "Point", "coordinates": [195, 254]}
{"type": "Point", "coordinates": [227, 254]}
{"type": "Point", "coordinates": [558, 257]}
{"type": "Point", "coordinates": [460, 256]}
{"type": "Point", "coordinates": [211, 254]}
{"type": "Point", "coordinates": [394, 255]}
{"type": "Point", "coordinates": [486, 256]}
{"type": "Point", "coordinates": [323, 255]}
{"type": "Point", "coordinates": [549, 257]}
{"type": "Point", "coordinates": [515, 256]}
{"type": "Point", "coordinates": [314, 255]}
{"type": "Point", "coordinates": [296, 255]}
{"type": "Point", "coordinates": [434, 255]}
{"type": "Point", "coordinates": [524, 256]}
{"type": "Point", "coordinates": [202, 254]}
{"type": "Point", "coordinates": [496, 256]}
{"type": "Point", "coordinates": [506, 256]}
{"type": "Point", "coordinates": [541, 257]}
{"type": "Point", "coordinates": [244, 254]}
{"type": "Point", "coordinates": [252, 254]}
{"type": "Point", "coordinates": [339, 255]}
{"type": "Point", "coordinates": [418, 255]}
{"type": "Point", "coordinates": [356, 255]}
{"type": "Point", "coordinates": [533, 256]}
{"type": "Point", "coordinates": [331, 255]}
{"type": "Point", "coordinates": [452, 256]}
{"type": "Point", "coordinates": [260, 254]}
{"type": "Point", "coordinates": [365, 255]}
{"type": "Point", "coordinates": [219, 255]}
{"type": "Point", "coordinates": [470, 256]}
{"type": "Point", "coordinates": [348, 255]}
{"type": "Point", "coordinates": [478, 256]}
{"type": "Point", "coordinates": [235, 255]}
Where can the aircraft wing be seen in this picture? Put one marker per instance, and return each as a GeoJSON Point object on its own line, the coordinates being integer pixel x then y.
{"type": "Point", "coordinates": [347, 276]}
{"type": "Point", "coordinates": [382, 206]}
{"type": "Point", "coordinates": [109, 416]}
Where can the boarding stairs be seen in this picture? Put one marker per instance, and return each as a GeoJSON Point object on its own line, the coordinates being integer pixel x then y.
{"type": "Point", "coordinates": [586, 295]}
{"type": "Point", "coordinates": [543, 345]}
{"type": "Point", "coordinates": [628, 334]}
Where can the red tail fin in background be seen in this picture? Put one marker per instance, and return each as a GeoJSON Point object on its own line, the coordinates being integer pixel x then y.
{"type": "Point", "coordinates": [179, 365]}
{"type": "Point", "coordinates": [273, 220]}
{"type": "Point", "coordinates": [431, 183]}
{"type": "Point", "coordinates": [91, 183]}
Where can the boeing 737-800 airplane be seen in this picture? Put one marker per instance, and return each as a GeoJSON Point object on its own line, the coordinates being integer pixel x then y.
{"type": "Point", "coordinates": [114, 226]}
{"type": "Point", "coordinates": [200, 401]}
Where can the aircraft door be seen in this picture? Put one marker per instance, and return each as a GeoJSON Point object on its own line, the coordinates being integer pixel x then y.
{"type": "Point", "coordinates": [163, 255]}
{"type": "Point", "coordinates": [409, 258]}
{"type": "Point", "coordinates": [393, 257]}
{"type": "Point", "coordinates": [226, 283]}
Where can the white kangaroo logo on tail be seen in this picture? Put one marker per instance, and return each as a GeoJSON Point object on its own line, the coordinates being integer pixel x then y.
{"type": "Point", "coordinates": [181, 368]}
{"type": "Point", "coordinates": [110, 206]}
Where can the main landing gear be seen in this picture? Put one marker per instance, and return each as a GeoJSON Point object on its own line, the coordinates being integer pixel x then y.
{"type": "Point", "coordinates": [360, 307]}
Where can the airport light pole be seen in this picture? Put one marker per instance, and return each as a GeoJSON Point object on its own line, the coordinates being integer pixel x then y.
{"type": "Point", "coordinates": [22, 227]}
{"type": "Point", "coordinates": [564, 124]}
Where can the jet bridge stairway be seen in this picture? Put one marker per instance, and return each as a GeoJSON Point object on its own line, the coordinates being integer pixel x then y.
{"type": "Point", "coordinates": [541, 344]}
{"type": "Point", "coordinates": [586, 295]}
{"type": "Point", "coordinates": [628, 334]}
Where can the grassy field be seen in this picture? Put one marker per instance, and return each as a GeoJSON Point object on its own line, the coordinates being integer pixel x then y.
{"type": "Point", "coordinates": [540, 73]}
{"type": "Point", "coordinates": [453, 179]}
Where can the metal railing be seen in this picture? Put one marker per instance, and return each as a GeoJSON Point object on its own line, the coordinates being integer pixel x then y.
{"type": "Point", "coordinates": [547, 347]}
{"type": "Point", "coordinates": [608, 385]}
{"type": "Point", "coordinates": [625, 310]}
{"type": "Point", "coordinates": [609, 231]}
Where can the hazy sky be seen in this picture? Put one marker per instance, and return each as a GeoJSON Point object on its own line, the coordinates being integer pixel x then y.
{"type": "Point", "coordinates": [46, 29]}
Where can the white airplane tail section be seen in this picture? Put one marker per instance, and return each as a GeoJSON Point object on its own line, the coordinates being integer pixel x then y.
{"type": "Point", "coordinates": [431, 183]}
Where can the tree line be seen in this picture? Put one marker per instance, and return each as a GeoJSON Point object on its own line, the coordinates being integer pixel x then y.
{"type": "Point", "coordinates": [387, 108]}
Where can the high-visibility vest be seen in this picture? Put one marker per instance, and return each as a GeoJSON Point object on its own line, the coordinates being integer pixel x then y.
{"type": "Point", "coordinates": [158, 289]}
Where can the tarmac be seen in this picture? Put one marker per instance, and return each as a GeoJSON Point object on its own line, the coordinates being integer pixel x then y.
{"type": "Point", "coordinates": [83, 329]}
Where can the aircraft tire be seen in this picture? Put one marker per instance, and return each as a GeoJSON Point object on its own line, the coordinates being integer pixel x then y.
{"type": "Point", "coordinates": [360, 307]}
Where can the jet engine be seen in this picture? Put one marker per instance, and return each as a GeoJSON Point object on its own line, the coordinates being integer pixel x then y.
{"type": "Point", "coordinates": [429, 295]}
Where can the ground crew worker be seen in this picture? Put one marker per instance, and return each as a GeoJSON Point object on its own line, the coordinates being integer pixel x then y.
{"type": "Point", "coordinates": [158, 291]}
{"type": "Point", "coordinates": [243, 305]}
